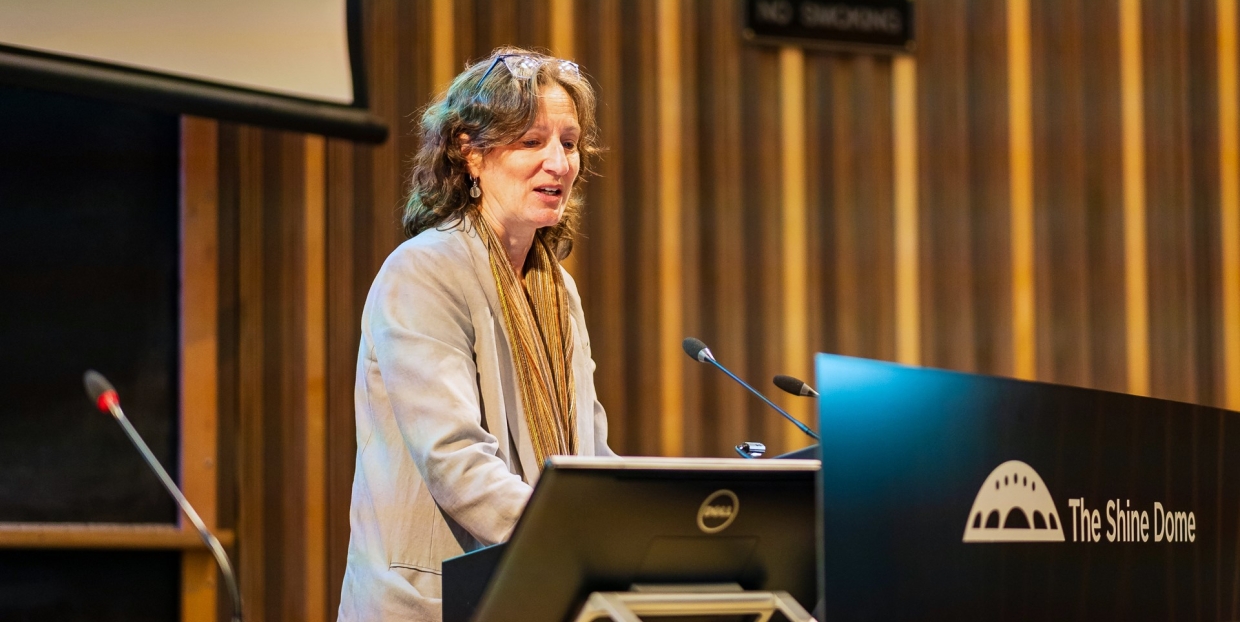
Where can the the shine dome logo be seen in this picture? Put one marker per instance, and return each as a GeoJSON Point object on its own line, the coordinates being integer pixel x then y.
{"type": "Point", "coordinates": [1013, 505]}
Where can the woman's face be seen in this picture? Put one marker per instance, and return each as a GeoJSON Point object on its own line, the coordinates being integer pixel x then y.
{"type": "Point", "coordinates": [525, 185]}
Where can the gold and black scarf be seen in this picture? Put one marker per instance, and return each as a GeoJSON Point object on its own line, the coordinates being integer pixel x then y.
{"type": "Point", "coordinates": [540, 332]}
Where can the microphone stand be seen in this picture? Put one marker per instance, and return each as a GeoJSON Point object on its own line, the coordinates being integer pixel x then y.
{"type": "Point", "coordinates": [106, 399]}
{"type": "Point", "coordinates": [705, 354]}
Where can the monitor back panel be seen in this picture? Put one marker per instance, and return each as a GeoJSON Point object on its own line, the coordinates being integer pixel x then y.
{"type": "Point", "coordinates": [588, 530]}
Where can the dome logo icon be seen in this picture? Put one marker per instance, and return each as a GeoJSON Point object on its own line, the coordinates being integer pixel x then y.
{"type": "Point", "coordinates": [1013, 505]}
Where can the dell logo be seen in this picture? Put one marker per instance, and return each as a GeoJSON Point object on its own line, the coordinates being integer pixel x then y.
{"type": "Point", "coordinates": [718, 511]}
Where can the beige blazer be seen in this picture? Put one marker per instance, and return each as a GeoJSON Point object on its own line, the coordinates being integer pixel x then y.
{"type": "Point", "coordinates": [444, 460]}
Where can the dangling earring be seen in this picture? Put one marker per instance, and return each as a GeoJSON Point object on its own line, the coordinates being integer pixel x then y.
{"type": "Point", "coordinates": [474, 190]}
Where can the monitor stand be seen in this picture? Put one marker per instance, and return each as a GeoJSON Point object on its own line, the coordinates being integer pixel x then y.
{"type": "Point", "coordinates": [690, 600]}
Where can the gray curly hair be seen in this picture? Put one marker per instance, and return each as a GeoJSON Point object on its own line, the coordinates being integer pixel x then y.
{"type": "Point", "coordinates": [491, 113]}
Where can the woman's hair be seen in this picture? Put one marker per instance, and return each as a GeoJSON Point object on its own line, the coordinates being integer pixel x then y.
{"type": "Point", "coordinates": [491, 112]}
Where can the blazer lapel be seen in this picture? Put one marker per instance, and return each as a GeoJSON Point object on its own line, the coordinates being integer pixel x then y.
{"type": "Point", "coordinates": [512, 419]}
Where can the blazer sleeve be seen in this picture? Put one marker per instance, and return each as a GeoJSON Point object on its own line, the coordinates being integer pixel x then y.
{"type": "Point", "coordinates": [423, 343]}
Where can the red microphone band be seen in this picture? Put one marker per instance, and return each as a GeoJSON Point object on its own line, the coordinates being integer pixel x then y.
{"type": "Point", "coordinates": [107, 400]}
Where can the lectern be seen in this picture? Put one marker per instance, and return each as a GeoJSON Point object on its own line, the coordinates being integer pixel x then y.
{"type": "Point", "coordinates": [617, 538]}
{"type": "Point", "coordinates": [952, 496]}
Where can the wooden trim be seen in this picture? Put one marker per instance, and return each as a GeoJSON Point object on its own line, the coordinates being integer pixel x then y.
{"type": "Point", "coordinates": [252, 492]}
{"type": "Point", "coordinates": [1020, 136]}
{"type": "Point", "coordinates": [108, 536]}
{"type": "Point", "coordinates": [316, 379]}
{"type": "Point", "coordinates": [671, 279]}
{"type": "Point", "coordinates": [1229, 197]}
{"type": "Point", "coordinates": [563, 26]}
{"type": "Point", "coordinates": [904, 146]}
{"type": "Point", "coordinates": [199, 311]}
{"type": "Point", "coordinates": [845, 259]}
{"type": "Point", "coordinates": [794, 233]}
{"type": "Point", "coordinates": [443, 45]}
{"type": "Point", "coordinates": [1136, 279]}
{"type": "Point", "coordinates": [199, 352]}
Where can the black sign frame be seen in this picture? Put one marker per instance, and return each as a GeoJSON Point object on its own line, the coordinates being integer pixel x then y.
{"type": "Point", "coordinates": [881, 26]}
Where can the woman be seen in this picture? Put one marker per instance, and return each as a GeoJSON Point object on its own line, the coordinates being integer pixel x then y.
{"type": "Point", "coordinates": [474, 363]}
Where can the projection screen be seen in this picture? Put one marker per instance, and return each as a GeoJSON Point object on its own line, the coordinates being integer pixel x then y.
{"type": "Point", "coordinates": [285, 63]}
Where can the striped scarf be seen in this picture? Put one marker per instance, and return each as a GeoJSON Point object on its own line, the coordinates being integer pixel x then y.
{"type": "Point", "coordinates": [540, 332]}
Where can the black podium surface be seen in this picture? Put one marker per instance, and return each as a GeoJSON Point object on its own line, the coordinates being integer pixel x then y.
{"type": "Point", "coordinates": [954, 496]}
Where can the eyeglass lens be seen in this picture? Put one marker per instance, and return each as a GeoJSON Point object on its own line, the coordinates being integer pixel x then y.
{"type": "Point", "coordinates": [525, 67]}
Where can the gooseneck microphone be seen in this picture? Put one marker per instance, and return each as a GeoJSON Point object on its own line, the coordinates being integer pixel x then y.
{"type": "Point", "coordinates": [106, 399]}
{"type": "Point", "coordinates": [795, 386]}
{"type": "Point", "coordinates": [700, 353]}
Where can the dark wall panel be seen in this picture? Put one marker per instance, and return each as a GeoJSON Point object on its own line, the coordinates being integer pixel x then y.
{"type": "Point", "coordinates": [90, 586]}
{"type": "Point", "coordinates": [88, 279]}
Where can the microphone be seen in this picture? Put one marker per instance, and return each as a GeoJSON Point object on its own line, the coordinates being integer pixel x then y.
{"type": "Point", "coordinates": [700, 353]}
{"type": "Point", "coordinates": [795, 386]}
{"type": "Point", "coordinates": [106, 400]}
{"type": "Point", "coordinates": [750, 450]}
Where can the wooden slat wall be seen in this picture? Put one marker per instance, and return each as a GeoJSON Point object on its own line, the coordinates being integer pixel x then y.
{"type": "Point", "coordinates": [922, 241]}
{"type": "Point", "coordinates": [1077, 194]}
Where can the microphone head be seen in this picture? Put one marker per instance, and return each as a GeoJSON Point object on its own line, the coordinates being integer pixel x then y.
{"type": "Point", "coordinates": [100, 390]}
{"type": "Point", "coordinates": [696, 349]}
{"type": "Point", "coordinates": [795, 386]}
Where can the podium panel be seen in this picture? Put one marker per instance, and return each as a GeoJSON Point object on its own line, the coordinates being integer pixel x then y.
{"type": "Point", "coordinates": [955, 496]}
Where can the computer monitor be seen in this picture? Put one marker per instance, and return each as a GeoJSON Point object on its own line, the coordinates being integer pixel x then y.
{"type": "Point", "coordinates": [947, 495]}
{"type": "Point", "coordinates": [605, 524]}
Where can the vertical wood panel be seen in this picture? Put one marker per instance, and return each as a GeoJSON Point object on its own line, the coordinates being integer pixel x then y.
{"type": "Point", "coordinates": [762, 179]}
{"type": "Point", "coordinates": [603, 298]}
{"type": "Point", "coordinates": [562, 29]}
{"type": "Point", "coordinates": [947, 293]}
{"type": "Point", "coordinates": [562, 24]}
{"type": "Point", "coordinates": [228, 351]}
{"type": "Point", "coordinates": [721, 305]}
{"type": "Point", "coordinates": [502, 23]}
{"type": "Point", "coordinates": [1173, 364]}
{"type": "Point", "coordinates": [251, 471]}
{"type": "Point", "coordinates": [315, 509]}
{"type": "Point", "coordinates": [1024, 344]}
{"type": "Point", "coordinates": [285, 335]}
{"type": "Point", "coordinates": [199, 350]}
{"type": "Point", "coordinates": [344, 307]}
{"type": "Point", "coordinates": [872, 143]}
{"type": "Point", "coordinates": [1135, 268]}
{"type": "Point", "coordinates": [443, 44]}
{"type": "Point", "coordinates": [796, 360]}
{"type": "Point", "coordinates": [820, 191]}
{"type": "Point", "coordinates": [671, 281]}
{"type": "Point", "coordinates": [904, 179]}
{"type": "Point", "coordinates": [990, 189]}
{"type": "Point", "coordinates": [1202, 251]}
{"type": "Point", "coordinates": [386, 49]}
{"type": "Point", "coordinates": [1061, 222]}
{"type": "Point", "coordinates": [1229, 196]}
{"type": "Point", "coordinates": [464, 34]}
{"type": "Point", "coordinates": [1101, 97]}
{"type": "Point", "coordinates": [852, 213]}
{"type": "Point", "coordinates": [844, 209]}
{"type": "Point", "coordinates": [637, 152]}
{"type": "Point", "coordinates": [697, 423]}
{"type": "Point", "coordinates": [534, 23]}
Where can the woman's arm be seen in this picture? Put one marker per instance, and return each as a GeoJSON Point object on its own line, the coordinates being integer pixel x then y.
{"type": "Point", "coordinates": [423, 343]}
